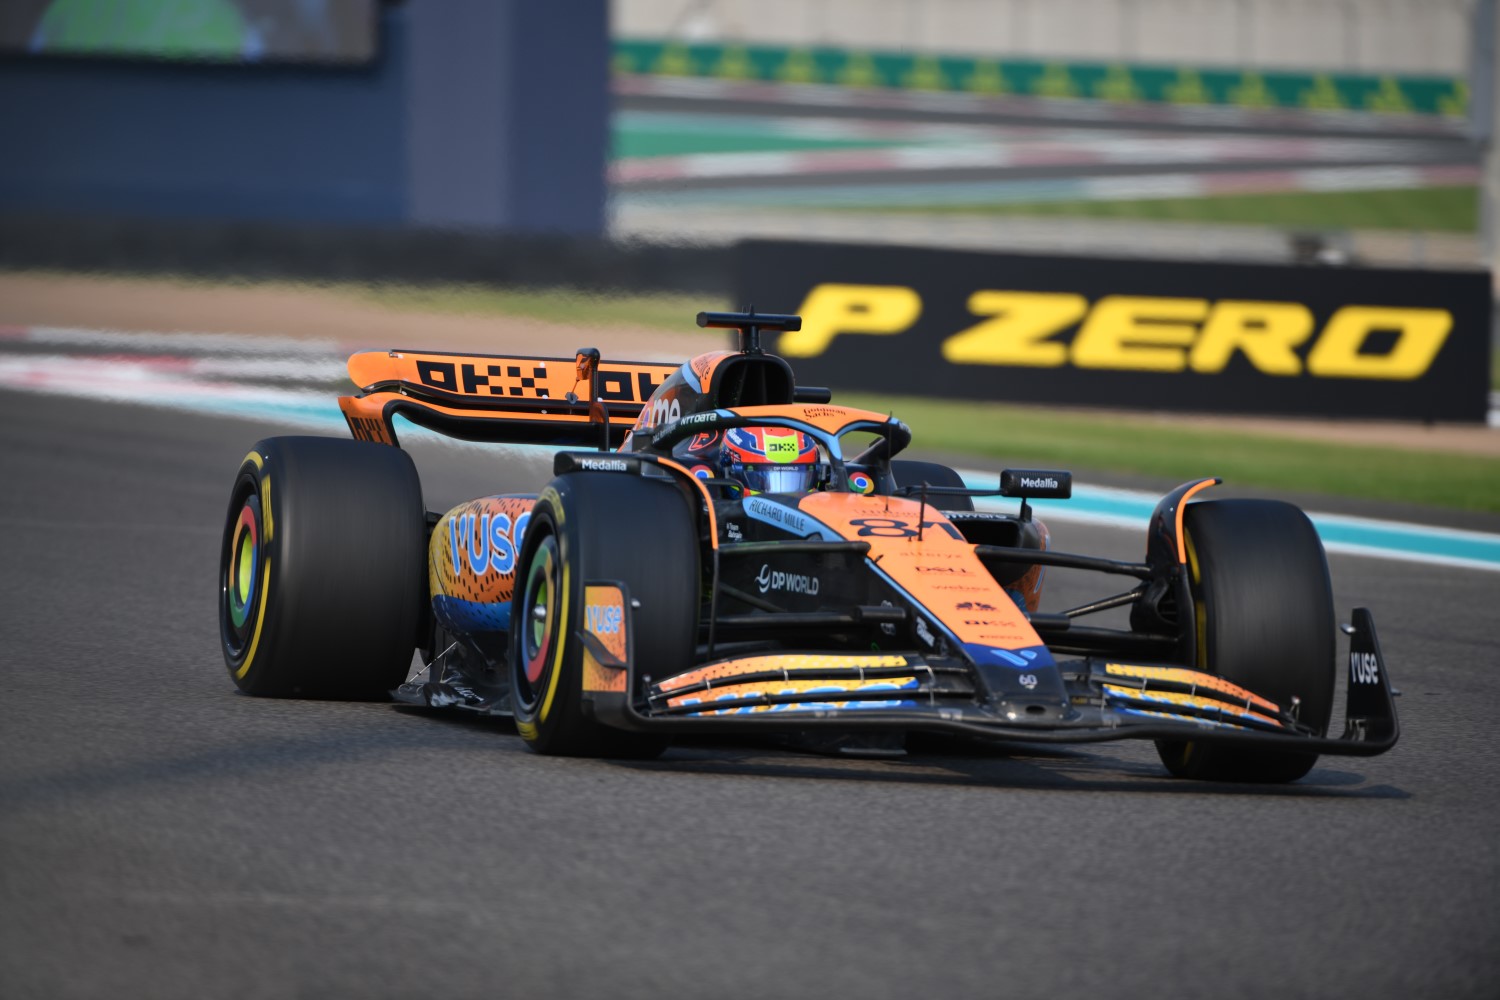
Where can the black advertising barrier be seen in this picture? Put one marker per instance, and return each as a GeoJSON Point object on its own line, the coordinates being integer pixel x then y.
{"type": "Point", "coordinates": [1143, 334]}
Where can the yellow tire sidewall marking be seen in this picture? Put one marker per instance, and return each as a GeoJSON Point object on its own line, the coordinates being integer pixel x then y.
{"type": "Point", "coordinates": [1200, 622]}
{"type": "Point", "coordinates": [559, 643]}
{"type": "Point", "coordinates": [553, 500]}
{"type": "Point", "coordinates": [265, 505]}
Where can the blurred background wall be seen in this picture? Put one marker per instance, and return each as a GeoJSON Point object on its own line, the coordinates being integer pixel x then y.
{"type": "Point", "coordinates": [425, 139]}
{"type": "Point", "coordinates": [1415, 36]}
{"type": "Point", "coordinates": [641, 144]}
{"type": "Point", "coordinates": [463, 114]}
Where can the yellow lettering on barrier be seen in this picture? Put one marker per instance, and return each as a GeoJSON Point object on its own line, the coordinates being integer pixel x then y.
{"type": "Point", "coordinates": [1419, 336]}
{"type": "Point", "coordinates": [1268, 333]}
{"type": "Point", "coordinates": [1137, 333]}
{"type": "Point", "coordinates": [1017, 334]}
{"type": "Point", "coordinates": [830, 310]}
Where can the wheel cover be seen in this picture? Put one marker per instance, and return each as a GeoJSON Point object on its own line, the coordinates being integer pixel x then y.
{"type": "Point", "coordinates": [244, 557]}
{"type": "Point", "coordinates": [539, 613]}
{"type": "Point", "coordinates": [239, 592]}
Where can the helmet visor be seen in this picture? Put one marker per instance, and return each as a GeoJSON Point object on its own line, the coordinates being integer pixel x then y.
{"type": "Point", "coordinates": [777, 478]}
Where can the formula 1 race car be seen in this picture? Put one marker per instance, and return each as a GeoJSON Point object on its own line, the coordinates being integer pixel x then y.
{"type": "Point", "coordinates": [723, 550]}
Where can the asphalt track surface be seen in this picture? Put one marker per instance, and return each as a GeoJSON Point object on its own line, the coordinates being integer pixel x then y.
{"type": "Point", "coordinates": [162, 836]}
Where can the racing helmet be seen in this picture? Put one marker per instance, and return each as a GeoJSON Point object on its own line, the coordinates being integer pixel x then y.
{"type": "Point", "coordinates": [770, 459]}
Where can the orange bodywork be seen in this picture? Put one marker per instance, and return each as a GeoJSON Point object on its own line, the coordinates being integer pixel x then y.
{"type": "Point", "coordinates": [366, 415]}
{"type": "Point", "coordinates": [939, 569]}
{"type": "Point", "coordinates": [1207, 683]}
{"type": "Point", "coordinates": [480, 390]}
{"type": "Point", "coordinates": [704, 366]}
{"type": "Point", "coordinates": [605, 618]}
{"type": "Point", "coordinates": [824, 416]}
{"type": "Point", "coordinates": [474, 549]}
{"type": "Point", "coordinates": [497, 379]}
{"type": "Point", "coordinates": [1030, 584]}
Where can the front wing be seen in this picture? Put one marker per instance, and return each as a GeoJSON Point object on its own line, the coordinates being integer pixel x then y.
{"type": "Point", "coordinates": [1106, 700]}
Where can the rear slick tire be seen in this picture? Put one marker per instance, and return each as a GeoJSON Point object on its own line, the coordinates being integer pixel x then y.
{"type": "Point", "coordinates": [322, 571]}
{"type": "Point", "coordinates": [1264, 613]}
{"type": "Point", "coordinates": [604, 527]}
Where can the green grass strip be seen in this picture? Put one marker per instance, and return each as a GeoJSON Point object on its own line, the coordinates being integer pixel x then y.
{"type": "Point", "coordinates": [1111, 443]}
{"type": "Point", "coordinates": [558, 305]}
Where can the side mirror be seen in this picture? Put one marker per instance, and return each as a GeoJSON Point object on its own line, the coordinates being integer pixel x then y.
{"type": "Point", "coordinates": [1034, 484]}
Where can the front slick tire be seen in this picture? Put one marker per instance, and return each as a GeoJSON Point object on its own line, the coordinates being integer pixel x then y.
{"type": "Point", "coordinates": [599, 527]}
{"type": "Point", "coordinates": [1264, 611]}
{"type": "Point", "coordinates": [323, 569]}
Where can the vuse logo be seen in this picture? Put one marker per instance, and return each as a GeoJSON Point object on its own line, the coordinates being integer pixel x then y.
{"type": "Point", "coordinates": [1363, 668]}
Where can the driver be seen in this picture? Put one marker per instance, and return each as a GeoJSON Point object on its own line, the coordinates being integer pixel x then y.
{"type": "Point", "coordinates": [770, 459]}
{"type": "Point", "coordinates": [759, 459]}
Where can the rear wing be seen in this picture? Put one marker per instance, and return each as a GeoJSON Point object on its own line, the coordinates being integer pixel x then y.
{"type": "Point", "coordinates": [484, 397]}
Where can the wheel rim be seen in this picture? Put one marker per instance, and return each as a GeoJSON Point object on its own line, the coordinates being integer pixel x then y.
{"type": "Point", "coordinates": [243, 559]}
{"type": "Point", "coordinates": [239, 585]}
{"type": "Point", "coordinates": [538, 623]}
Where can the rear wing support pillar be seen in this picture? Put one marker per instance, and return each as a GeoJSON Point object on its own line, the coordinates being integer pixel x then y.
{"type": "Point", "coordinates": [586, 360]}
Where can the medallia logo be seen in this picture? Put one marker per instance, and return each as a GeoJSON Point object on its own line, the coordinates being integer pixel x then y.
{"type": "Point", "coordinates": [604, 464]}
{"type": "Point", "coordinates": [790, 583]}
